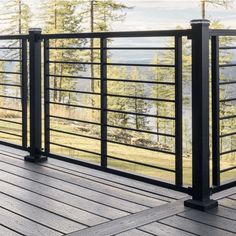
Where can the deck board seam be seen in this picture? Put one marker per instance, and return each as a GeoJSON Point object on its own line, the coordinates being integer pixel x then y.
{"type": "Point", "coordinates": [66, 181]}
{"type": "Point", "coordinates": [159, 221]}
{"type": "Point", "coordinates": [177, 207]}
{"type": "Point", "coordinates": [65, 191]}
{"type": "Point", "coordinates": [25, 217]}
{"type": "Point", "coordinates": [15, 231]}
{"type": "Point", "coordinates": [42, 209]}
{"type": "Point", "coordinates": [50, 198]}
{"type": "Point", "coordinates": [200, 222]}
{"type": "Point", "coordinates": [154, 193]}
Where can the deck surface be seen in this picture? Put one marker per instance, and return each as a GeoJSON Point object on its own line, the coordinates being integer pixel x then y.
{"type": "Point", "coordinates": [58, 198]}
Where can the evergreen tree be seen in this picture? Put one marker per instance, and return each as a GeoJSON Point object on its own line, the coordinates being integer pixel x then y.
{"type": "Point", "coordinates": [101, 15]}
{"type": "Point", "coordinates": [61, 17]}
{"type": "Point", "coordinates": [204, 3]}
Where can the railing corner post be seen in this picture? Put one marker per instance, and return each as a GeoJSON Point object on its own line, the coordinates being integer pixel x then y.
{"type": "Point", "coordinates": [200, 118]}
{"type": "Point", "coordinates": [35, 97]}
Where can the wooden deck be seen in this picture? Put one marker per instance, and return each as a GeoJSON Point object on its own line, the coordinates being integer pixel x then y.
{"type": "Point", "coordinates": [58, 198]}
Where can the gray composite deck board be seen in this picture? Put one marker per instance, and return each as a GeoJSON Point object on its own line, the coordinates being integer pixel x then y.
{"type": "Point", "coordinates": [75, 214]}
{"type": "Point", "coordinates": [108, 182]}
{"type": "Point", "coordinates": [212, 220]}
{"type": "Point", "coordinates": [55, 198]}
{"type": "Point", "coordinates": [71, 188]}
{"type": "Point", "coordinates": [132, 221]}
{"type": "Point", "coordinates": [24, 226]}
{"type": "Point", "coordinates": [224, 212]}
{"type": "Point", "coordinates": [194, 227]}
{"type": "Point", "coordinates": [134, 232]}
{"type": "Point", "coordinates": [159, 229]}
{"type": "Point", "coordinates": [7, 232]}
{"type": "Point", "coordinates": [226, 202]}
{"type": "Point", "coordinates": [39, 215]}
{"type": "Point", "coordinates": [61, 196]}
{"type": "Point", "coordinates": [102, 188]}
{"type": "Point", "coordinates": [147, 188]}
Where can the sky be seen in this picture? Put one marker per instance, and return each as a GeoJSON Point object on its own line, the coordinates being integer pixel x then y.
{"type": "Point", "coordinates": [165, 14]}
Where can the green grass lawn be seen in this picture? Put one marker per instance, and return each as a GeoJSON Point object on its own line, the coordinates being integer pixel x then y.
{"type": "Point", "coordinates": [121, 151]}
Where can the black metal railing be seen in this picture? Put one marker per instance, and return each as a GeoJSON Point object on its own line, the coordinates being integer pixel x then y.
{"type": "Point", "coordinates": [222, 102]}
{"type": "Point", "coordinates": [77, 68]}
{"type": "Point", "coordinates": [14, 56]}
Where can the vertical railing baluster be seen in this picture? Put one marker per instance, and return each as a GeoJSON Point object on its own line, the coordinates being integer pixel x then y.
{"type": "Point", "coordinates": [215, 111]}
{"type": "Point", "coordinates": [103, 61]}
{"type": "Point", "coordinates": [46, 98]}
{"type": "Point", "coordinates": [24, 91]}
{"type": "Point", "coordinates": [178, 112]}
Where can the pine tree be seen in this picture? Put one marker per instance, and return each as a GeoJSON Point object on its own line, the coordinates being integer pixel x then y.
{"type": "Point", "coordinates": [222, 3]}
{"type": "Point", "coordinates": [101, 15]}
{"type": "Point", "coordinates": [61, 17]}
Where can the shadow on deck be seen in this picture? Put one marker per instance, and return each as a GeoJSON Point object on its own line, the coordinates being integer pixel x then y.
{"type": "Point", "coordinates": [55, 198]}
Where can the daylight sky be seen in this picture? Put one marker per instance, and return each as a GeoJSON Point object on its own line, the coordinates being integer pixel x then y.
{"type": "Point", "coordinates": [163, 14]}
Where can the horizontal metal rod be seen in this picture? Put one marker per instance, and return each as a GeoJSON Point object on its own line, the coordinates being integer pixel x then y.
{"type": "Point", "coordinates": [140, 65]}
{"type": "Point", "coordinates": [228, 134]}
{"type": "Point", "coordinates": [10, 109]}
{"type": "Point", "coordinates": [142, 131]}
{"type": "Point", "coordinates": [75, 120]}
{"type": "Point", "coordinates": [14, 37]}
{"type": "Point", "coordinates": [145, 148]}
{"type": "Point", "coordinates": [142, 81]}
{"type": "Point", "coordinates": [11, 48]}
{"type": "Point", "coordinates": [228, 169]}
{"type": "Point", "coordinates": [228, 100]}
{"type": "Point", "coordinates": [140, 114]}
{"type": "Point", "coordinates": [74, 148]}
{"type": "Point", "coordinates": [227, 48]}
{"type": "Point", "coordinates": [140, 48]}
{"type": "Point", "coordinates": [160, 33]}
{"type": "Point", "coordinates": [75, 134]}
{"type": "Point", "coordinates": [109, 64]}
{"type": "Point", "coordinates": [228, 82]}
{"type": "Point", "coordinates": [223, 32]}
{"type": "Point", "coordinates": [10, 97]}
{"type": "Point", "coordinates": [227, 65]}
{"type": "Point", "coordinates": [12, 85]}
{"type": "Point", "coordinates": [10, 121]}
{"type": "Point", "coordinates": [9, 72]}
{"type": "Point", "coordinates": [72, 105]}
{"type": "Point", "coordinates": [227, 152]}
{"type": "Point", "coordinates": [72, 48]}
{"type": "Point", "coordinates": [10, 60]}
{"type": "Point", "coordinates": [73, 77]}
{"type": "Point", "coordinates": [74, 62]}
{"type": "Point", "coordinates": [5, 132]}
{"type": "Point", "coordinates": [141, 98]}
{"type": "Point", "coordinates": [73, 91]}
{"type": "Point", "coordinates": [142, 164]}
{"type": "Point", "coordinates": [227, 117]}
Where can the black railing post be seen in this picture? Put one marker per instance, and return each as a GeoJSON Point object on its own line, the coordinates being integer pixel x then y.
{"type": "Point", "coordinates": [103, 46]}
{"type": "Point", "coordinates": [35, 97]}
{"type": "Point", "coordinates": [200, 117]}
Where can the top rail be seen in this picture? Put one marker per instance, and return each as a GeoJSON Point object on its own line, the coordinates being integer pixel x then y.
{"type": "Point", "coordinates": [124, 34]}
{"type": "Point", "coordinates": [223, 32]}
{"type": "Point", "coordinates": [14, 37]}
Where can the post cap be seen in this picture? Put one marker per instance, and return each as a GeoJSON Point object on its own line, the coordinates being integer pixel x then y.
{"type": "Point", "coordinates": [200, 21]}
{"type": "Point", "coordinates": [36, 30]}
